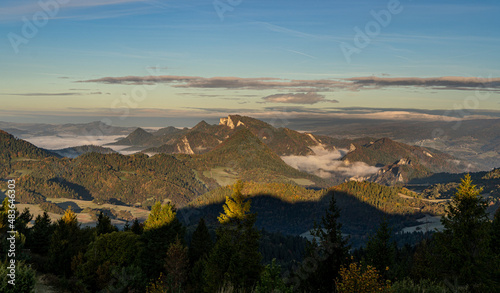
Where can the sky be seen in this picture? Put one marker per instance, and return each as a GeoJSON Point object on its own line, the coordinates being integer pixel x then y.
{"type": "Point", "coordinates": [159, 63]}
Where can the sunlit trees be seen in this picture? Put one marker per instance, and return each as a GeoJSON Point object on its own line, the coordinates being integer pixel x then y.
{"type": "Point", "coordinates": [463, 246]}
{"type": "Point", "coordinates": [356, 278]}
{"type": "Point", "coordinates": [160, 230]}
{"type": "Point", "coordinates": [235, 257]}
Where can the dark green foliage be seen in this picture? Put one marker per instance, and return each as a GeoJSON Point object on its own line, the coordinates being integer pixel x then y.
{"type": "Point", "coordinates": [464, 245]}
{"type": "Point", "coordinates": [22, 221]}
{"type": "Point", "coordinates": [25, 278]}
{"type": "Point", "coordinates": [495, 233]}
{"type": "Point", "coordinates": [271, 280]}
{"type": "Point", "coordinates": [201, 242]}
{"type": "Point", "coordinates": [156, 241]}
{"type": "Point", "coordinates": [329, 254]}
{"type": "Point", "coordinates": [409, 286]}
{"type": "Point", "coordinates": [38, 239]}
{"type": "Point", "coordinates": [235, 258]}
{"type": "Point", "coordinates": [176, 266]}
{"type": "Point", "coordinates": [67, 241]}
{"type": "Point", "coordinates": [381, 251]}
{"type": "Point", "coordinates": [108, 252]}
{"type": "Point", "coordinates": [137, 228]}
{"type": "Point", "coordinates": [104, 225]}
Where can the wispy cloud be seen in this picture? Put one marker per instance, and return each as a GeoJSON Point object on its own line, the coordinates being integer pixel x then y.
{"type": "Point", "coordinates": [298, 98]}
{"type": "Point", "coordinates": [447, 82]}
{"type": "Point", "coordinates": [314, 85]}
{"type": "Point", "coordinates": [45, 94]}
{"type": "Point", "coordinates": [15, 10]}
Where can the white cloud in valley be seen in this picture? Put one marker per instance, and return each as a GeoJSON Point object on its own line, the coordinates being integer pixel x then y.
{"type": "Point", "coordinates": [326, 164]}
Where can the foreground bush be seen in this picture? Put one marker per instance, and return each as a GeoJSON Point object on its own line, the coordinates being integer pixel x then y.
{"type": "Point", "coordinates": [24, 282]}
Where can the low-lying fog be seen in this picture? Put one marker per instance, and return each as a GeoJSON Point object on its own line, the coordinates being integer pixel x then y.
{"type": "Point", "coordinates": [57, 142]}
{"type": "Point", "coordinates": [326, 164]}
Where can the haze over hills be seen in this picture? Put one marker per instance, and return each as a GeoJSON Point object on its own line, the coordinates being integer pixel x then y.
{"type": "Point", "coordinates": [474, 140]}
{"type": "Point", "coordinates": [192, 180]}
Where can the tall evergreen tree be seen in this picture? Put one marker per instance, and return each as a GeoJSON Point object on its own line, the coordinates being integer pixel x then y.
{"type": "Point", "coordinates": [160, 230]}
{"type": "Point", "coordinates": [67, 241]}
{"type": "Point", "coordinates": [176, 265]}
{"type": "Point", "coordinates": [104, 225]}
{"type": "Point", "coordinates": [201, 242]}
{"type": "Point", "coordinates": [137, 227]}
{"type": "Point", "coordinates": [495, 233]}
{"type": "Point", "coordinates": [235, 257]}
{"type": "Point", "coordinates": [464, 244]}
{"type": "Point", "coordinates": [329, 254]}
{"type": "Point", "coordinates": [380, 251]}
{"type": "Point", "coordinates": [39, 238]}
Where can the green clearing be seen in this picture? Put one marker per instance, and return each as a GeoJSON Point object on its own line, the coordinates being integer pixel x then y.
{"type": "Point", "coordinates": [141, 214]}
{"type": "Point", "coordinates": [302, 181]}
{"type": "Point", "coordinates": [19, 173]}
{"type": "Point", "coordinates": [221, 175]}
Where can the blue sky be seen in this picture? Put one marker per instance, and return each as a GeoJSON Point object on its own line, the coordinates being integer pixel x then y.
{"type": "Point", "coordinates": [90, 60]}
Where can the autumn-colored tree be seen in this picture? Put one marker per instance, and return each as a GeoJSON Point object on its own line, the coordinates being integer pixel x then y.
{"type": "Point", "coordinates": [356, 278]}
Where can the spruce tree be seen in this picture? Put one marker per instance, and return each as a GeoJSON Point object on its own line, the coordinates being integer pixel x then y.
{"type": "Point", "coordinates": [39, 238]}
{"type": "Point", "coordinates": [160, 230]}
{"type": "Point", "coordinates": [380, 251]}
{"type": "Point", "coordinates": [464, 244]}
{"type": "Point", "coordinates": [235, 257]}
{"type": "Point", "coordinates": [104, 225]}
{"type": "Point", "coordinates": [201, 242]}
{"type": "Point", "coordinates": [329, 254]}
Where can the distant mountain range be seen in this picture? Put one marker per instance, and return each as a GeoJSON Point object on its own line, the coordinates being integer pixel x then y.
{"type": "Point", "coordinates": [201, 162]}
{"type": "Point", "coordinates": [473, 140]}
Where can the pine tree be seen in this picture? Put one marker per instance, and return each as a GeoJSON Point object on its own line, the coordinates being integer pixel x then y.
{"type": "Point", "coordinates": [104, 225]}
{"type": "Point", "coordinates": [39, 238]}
{"type": "Point", "coordinates": [236, 208]}
{"type": "Point", "coordinates": [176, 265]}
{"type": "Point", "coordinates": [464, 244]}
{"type": "Point", "coordinates": [160, 215]}
{"type": "Point", "coordinates": [235, 258]}
{"type": "Point", "coordinates": [381, 252]}
{"type": "Point", "coordinates": [160, 230]}
{"type": "Point", "coordinates": [67, 241]}
{"type": "Point", "coordinates": [201, 242]}
{"type": "Point", "coordinates": [137, 227]}
{"type": "Point", "coordinates": [329, 254]}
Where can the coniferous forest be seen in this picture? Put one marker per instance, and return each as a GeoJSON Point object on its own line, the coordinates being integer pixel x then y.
{"type": "Point", "coordinates": [162, 255]}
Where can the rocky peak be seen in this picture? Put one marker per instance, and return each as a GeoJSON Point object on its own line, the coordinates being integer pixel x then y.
{"type": "Point", "coordinates": [232, 121]}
